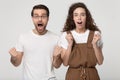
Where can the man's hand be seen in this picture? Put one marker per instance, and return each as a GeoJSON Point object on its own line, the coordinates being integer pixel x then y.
{"type": "Point", "coordinates": [13, 52]}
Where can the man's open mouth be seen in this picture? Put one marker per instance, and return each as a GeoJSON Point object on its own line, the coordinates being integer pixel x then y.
{"type": "Point", "coordinates": [40, 25]}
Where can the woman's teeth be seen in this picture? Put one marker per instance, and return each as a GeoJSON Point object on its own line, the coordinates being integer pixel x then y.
{"type": "Point", "coordinates": [79, 22]}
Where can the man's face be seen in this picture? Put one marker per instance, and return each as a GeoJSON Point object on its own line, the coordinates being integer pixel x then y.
{"type": "Point", "coordinates": [40, 20]}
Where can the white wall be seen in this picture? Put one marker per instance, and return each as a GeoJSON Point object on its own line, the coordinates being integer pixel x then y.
{"type": "Point", "coordinates": [15, 18]}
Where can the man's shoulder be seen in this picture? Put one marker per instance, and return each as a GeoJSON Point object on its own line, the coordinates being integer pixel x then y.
{"type": "Point", "coordinates": [52, 33]}
{"type": "Point", "coordinates": [25, 34]}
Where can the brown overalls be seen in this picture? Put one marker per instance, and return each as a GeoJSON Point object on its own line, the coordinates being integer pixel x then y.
{"type": "Point", "coordinates": [82, 61]}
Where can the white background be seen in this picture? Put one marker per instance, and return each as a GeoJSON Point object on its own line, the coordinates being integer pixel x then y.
{"type": "Point", "coordinates": [15, 19]}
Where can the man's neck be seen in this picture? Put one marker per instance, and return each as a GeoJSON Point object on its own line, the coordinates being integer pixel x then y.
{"type": "Point", "coordinates": [42, 33]}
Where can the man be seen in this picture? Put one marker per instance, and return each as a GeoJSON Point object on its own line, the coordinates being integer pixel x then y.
{"type": "Point", "coordinates": [35, 48]}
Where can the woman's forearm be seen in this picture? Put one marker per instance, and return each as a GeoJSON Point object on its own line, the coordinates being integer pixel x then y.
{"type": "Point", "coordinates": [66, 55]}
{"type": "Point", "coordinates": [98, 54]}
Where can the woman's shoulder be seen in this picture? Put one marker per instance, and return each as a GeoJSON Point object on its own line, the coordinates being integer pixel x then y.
{"type": "Point", "coordinates": [97, 32]}
{"type": "Point", "coordinates": [63, 33]}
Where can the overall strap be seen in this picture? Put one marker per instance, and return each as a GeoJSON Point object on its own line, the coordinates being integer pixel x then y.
{"type": "Point", "coordinates": [90, 38]}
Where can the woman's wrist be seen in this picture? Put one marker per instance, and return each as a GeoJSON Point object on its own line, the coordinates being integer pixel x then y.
{"type": "Point", "coordinates": [95, 46]}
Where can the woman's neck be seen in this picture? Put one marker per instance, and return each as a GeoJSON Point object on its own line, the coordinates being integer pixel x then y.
{"type": "Point", "coordinates": [80, 30]}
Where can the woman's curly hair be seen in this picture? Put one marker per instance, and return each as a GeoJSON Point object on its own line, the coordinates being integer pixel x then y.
{"type": "Point", "coordinates": [70, 25]}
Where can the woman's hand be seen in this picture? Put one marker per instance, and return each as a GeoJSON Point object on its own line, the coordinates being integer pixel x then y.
{"type": "Point", "coordinates": [57, 50]}
{"type": "Point", "coordinates": [95, 39]}
{"type": "Point", "coordinates": [69, 38]}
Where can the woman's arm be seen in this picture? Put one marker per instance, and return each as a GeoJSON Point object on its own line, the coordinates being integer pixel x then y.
{"type": "Point", "coordinates": [65, 55]}
{"type": "Point", "coordinates": [97, 49]}
{"type": "Point", "coordinates": [66, 52]}
{"type": "Point", "coordinates": [57, 61]}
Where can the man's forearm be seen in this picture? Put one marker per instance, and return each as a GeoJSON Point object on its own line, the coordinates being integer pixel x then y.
{"type": "Point", "coordinates": [14, 61]}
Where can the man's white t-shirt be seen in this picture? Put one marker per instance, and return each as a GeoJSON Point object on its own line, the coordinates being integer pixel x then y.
{"type": "Point", "coordinates": [79, 38]}
{"type": "Point", "coordinates": [37, 58]}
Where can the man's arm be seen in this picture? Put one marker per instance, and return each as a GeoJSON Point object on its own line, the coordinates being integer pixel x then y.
{"type": "Point", "coordinates": [16, 57]}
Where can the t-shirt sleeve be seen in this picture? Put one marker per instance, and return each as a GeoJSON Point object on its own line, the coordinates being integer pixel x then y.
{"type": "Point", "coordinates": [63, 42]}
{"type": "Point", "coordinates": [19, 44]}
{"type": "Point", "coordinates": [100, 42]}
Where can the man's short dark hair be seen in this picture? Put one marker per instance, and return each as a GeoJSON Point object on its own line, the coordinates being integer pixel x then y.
{"type": "Point", "coordinates": [40, 6]}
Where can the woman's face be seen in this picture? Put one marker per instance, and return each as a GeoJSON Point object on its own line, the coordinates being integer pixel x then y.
{"type": "Point", "coordinates": [79, 17]}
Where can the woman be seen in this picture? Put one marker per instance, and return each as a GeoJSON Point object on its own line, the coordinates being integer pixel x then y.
{"type": "Point", "coordinates": [81, 44]}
